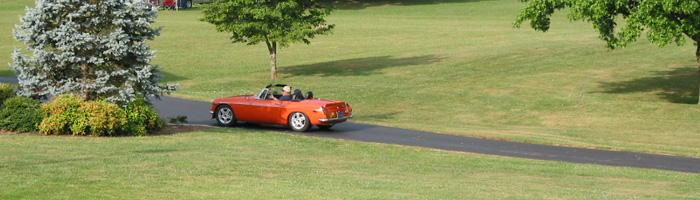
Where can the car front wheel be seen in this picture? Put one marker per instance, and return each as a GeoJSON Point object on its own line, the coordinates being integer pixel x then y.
{"type": "Point", "coordinates": [225, 116]}
{"type": "Point", "coordinates": [299, 122]}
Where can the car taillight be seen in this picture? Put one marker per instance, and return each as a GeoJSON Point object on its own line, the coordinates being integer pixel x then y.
{"type": "Point", "coordinates": [321, 110]}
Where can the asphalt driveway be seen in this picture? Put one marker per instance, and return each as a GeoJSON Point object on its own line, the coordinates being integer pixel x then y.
{"type": "Point", "coordinates": [197, 112]}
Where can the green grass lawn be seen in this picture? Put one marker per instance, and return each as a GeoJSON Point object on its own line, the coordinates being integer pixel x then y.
{"type": "Point", "coordinates": [244, 164]}
{"type": "Point", "coordinates": [458, 67]}
{"type": "Point", "coordinates": [10, 11]}
{"type": "Point", "coordinates": [455, 67]}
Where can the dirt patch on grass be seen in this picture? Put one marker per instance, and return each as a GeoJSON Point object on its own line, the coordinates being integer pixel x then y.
{"type": "Point", "coordinates": [174, 129]}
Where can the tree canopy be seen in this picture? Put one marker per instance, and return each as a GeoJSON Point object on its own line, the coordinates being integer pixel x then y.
{"type": "Point", "coordinates": [662, 21]}
{"type": "Point", "coordinates": [275, 22]}
{"type": "Point", "coordinates": [95, 49]}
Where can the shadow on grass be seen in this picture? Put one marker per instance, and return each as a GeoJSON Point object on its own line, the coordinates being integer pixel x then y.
{"type": "Point", "coordinates": [357, 66]}
{"type": "Point", "coordinates": [171, 77]}
{"type": "Point", "coordinates": [362, 4]}
{"type": "Point", "coordinates": [676, 86]}
{"type": "Point", "coordinates": [381, 116]}
{"type": "Point", "coordinates": [155, 151]}
{"type": "Point", "coordinates": [7, 73]}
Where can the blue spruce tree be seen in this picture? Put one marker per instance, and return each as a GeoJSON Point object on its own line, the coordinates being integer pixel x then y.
{"type": "Point", "coordinates": [94, 49]}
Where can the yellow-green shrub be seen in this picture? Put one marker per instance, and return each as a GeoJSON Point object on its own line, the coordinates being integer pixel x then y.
{"type": "Point", "coordinates": [142, 119]}
{"type": "Point", "coordinates": [67, 114]}
{"type": "Point", "coordinates": [59, 115]}
{"type": "Point", "coordinates": [99, 118]}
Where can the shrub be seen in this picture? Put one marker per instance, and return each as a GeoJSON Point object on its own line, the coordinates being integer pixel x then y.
{"type": "Point", "coordinates": [21, 103]}
{"type": "Point", "coordinates": [20, 114]}
{"type": "Point", "coordinates": [6, 91]}
{"type": "Point", "coordinates": [180, 119]}
{"type": "Point", "coordinates": [67, 114]}
{"type": "Point", "coordinates": [61, 104]}
{"type": "Point", "coordinates": [99, 118]}
{"type": "Point", "coordinates": [55, 124]}
{"type": "Point", "coordinates": [142, 119]}
{"type": "Point", "coordinates": [59, 114]}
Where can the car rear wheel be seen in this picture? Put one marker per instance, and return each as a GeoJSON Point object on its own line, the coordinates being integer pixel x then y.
{"type": "Point", "coordinates": [225, 116]}
{"type": "Point", "coordinates": [299, 122]}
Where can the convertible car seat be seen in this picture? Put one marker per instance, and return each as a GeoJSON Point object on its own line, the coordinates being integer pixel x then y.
{"type": "Point", "coordinates": [297, 95]}
{"type": "Point", "coordinates": [309, 95]}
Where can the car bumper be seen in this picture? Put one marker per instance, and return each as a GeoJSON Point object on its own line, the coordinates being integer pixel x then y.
{"type": "Point", "coordinates": [335, 119]}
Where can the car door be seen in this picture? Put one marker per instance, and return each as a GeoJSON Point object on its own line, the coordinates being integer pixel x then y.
{"type": "Point", "coordinates": [266, 111]}
{"type": "Point", "coordinates": [242, 108]}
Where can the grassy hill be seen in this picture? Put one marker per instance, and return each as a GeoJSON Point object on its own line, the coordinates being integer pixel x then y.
{"type": "Point", "coordinates": [458, 67]}
{"type": "Point", "coordinates": [447, 66]}
{"type": "Point", "coordinates": [455, 67]}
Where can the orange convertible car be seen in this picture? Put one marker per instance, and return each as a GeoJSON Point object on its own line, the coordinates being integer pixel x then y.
{"type": "Point", "coordinates": [299, 114]}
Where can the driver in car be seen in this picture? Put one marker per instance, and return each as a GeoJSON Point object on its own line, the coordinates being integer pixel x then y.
{"type": "Point", "coordinates": [286, 94]}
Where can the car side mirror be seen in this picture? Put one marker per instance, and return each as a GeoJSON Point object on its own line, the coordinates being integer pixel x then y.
{"type": "Point", "coordinates": [245, 95]}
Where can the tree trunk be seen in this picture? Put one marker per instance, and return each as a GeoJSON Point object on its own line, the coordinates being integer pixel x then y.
{"type": "Point", "coordinates": [273, 66]}
{"type": "Point", "coordinates": [83, 89]}
{"type": "Point", "coordinates": [272, 47]}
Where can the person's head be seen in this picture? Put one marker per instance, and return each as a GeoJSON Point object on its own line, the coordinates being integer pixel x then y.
{"type": "Point", "coordinates": [286, 90]}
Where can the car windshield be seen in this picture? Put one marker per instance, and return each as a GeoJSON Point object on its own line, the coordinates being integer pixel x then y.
{"type": "Point", "coordinates": [266, 92]}
{"type": "Point", "coordinates": [275, 92]}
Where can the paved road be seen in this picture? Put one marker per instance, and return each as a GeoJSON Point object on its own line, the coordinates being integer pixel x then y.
{"type": "Point", "coordinates": [197, 112]}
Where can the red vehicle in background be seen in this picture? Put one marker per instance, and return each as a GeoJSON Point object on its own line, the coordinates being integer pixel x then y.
{"type": "Point", "coordinates": [171, 4]}
{"type": "Point", "coordinates": [299, 114]}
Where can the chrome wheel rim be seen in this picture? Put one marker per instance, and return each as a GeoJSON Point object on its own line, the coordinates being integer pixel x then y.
{"type": "Point", "coordinates": [225, 115]}
{"type": "Point", "coordinates": [298, 121]}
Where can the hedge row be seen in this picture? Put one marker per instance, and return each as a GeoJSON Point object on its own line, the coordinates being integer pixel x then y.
{"type": "Point", "coordinates": [69, 115]}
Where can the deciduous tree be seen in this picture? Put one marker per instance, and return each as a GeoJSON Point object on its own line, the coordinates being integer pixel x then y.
{"type": "Point", "coordinates": [93, 49]}
{"type": "Point", "coordinates": [662, 21]}
{"type": "Point", "coordinates": [275, 22]}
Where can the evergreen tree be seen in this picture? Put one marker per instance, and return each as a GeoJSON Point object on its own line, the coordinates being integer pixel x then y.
{"type": "Point", "coordinates": [93, 49]}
